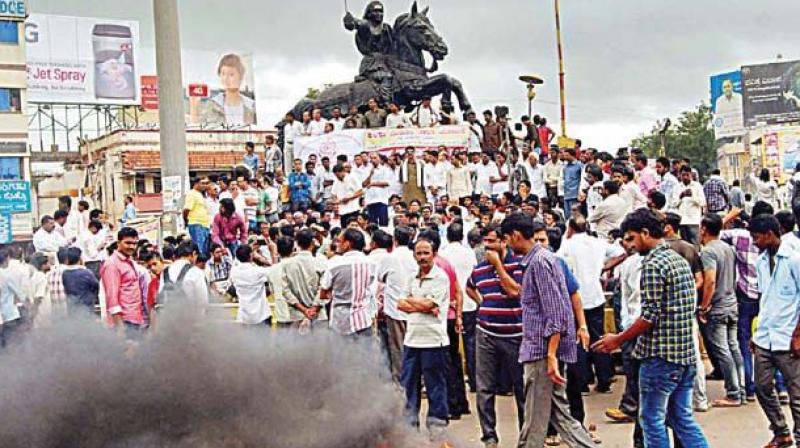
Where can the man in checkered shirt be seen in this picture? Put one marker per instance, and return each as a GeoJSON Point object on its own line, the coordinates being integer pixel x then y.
{"type": "Point", "coordinates": [716, 192]}
{"type": "Point", "coordinates": [665, 345]}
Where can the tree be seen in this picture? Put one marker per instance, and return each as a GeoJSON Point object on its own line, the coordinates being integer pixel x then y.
{"type": "Point", "coordinates": [691, 138]}
{"type": "Point", "coordinates": [312, 93]}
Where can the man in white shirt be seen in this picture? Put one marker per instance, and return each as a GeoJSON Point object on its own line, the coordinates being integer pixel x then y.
{"type": "Point", "coordinates": [273, 156]}
{"type": "Point", "coordinates": [586, 256]}
{"type": "Point", "coordinates": [425, 348]}
{"type": "Point", "coordinates": [435, 178]}
{"type": "Point", "coordinates": [609, 214]}
{"type": "Point", "coordinates": [395, 186]}
{"type": "Point", "coordinates": [317, 124]}
{"type": "Point", "coordinates": [485, 172]}
{"type": "Point", "coordinates": [337, 120]}
{"type": "Point", "coordinates": [666, 181]}
{"type": "Point", "coordinates": [189, 279]}
{"type": "Point", "coordinates": [535, 175]}
{"type": "Point", "coordinates": [47, 240]}
{"type": "Point", "coordinates": [250, 282]}
{"type": "Point", "coordinates": [688, 199]}
{"type": "Point", "coordinates": [291, 130]}
{"type": "Point", "coordinates": [396, 119]}
{"type": "Point", "coordinates": [391, 285]}
{"type": "Point", "coordinates": [376, 197]}
{"type": "Point", "coordinates": [93, 246]}
{"type": "Point", "coordinates": [361, 167]}
{"type": "Point", "coordinates": [345, 192]}
{"type": "Point", "coordinates": [425, 116]}
{"type": "Point", "coordinates": [463, 259]}
{"type": "Point", "coordinates": [323, 182]}
{"type": "Point", "coordinates": [500, 180]}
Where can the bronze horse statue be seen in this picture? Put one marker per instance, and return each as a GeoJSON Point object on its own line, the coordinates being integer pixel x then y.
{"type": "Point", "coordinates": [412, 35]}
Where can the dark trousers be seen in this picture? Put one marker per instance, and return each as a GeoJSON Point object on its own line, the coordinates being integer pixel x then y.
{"type": "Point", "coordinates": [346, 218]}
{"type": "Point", "coordinates": [603, 365]}
{"type": "Point", "coordinates": [767, 364]}
{"type": "Point", "coordinates": [94, 266]}
{"type": "Point", "coordinates": [430, 365]}
{"type": "Point", "coordinates": [378, 213]}
{"type": "Point", "coordinates": [470, 319]}
{"type": "Point", "coordinates": [392, 333]}
{"type": "Point", "coordinates": [456, 392]}
{"type": "Point", "coordinates": [493, 354]}
{"type": "Point", "coordinates": [552, 195]}
{"type": "Point", "coordinates": [691, 234]}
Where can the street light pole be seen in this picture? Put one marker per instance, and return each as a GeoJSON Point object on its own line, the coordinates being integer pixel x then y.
{"type": "Point", "coordinates": [172, 124]}
{"type": "Point", "coordinates": [561, 72]}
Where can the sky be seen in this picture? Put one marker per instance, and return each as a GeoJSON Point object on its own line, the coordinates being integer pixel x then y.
{"type": "Point", "coordinates": [628, 62]}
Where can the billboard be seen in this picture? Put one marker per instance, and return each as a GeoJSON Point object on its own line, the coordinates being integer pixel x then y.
{"type": "Point", "coordinates": [82, 60]}
{"type": "Point", "coordinates": [219, 89]}
{"type": "Point", "coordinates": [771, 93]}
{"type": "Point", "coordinates": [726, 104]}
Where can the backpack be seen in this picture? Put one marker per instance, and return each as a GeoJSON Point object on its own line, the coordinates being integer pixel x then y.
{"type": "Point", "coordinates": [173, 291]}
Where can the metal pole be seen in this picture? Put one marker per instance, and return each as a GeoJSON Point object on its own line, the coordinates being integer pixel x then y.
{"type": "Point", "coordinates": [561, 73]}
{"type": "Point", "coordinates": [172, 128]}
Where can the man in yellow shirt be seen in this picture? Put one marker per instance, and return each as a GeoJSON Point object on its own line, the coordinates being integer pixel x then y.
{"type": "Point", "coordinates": [196, 216]}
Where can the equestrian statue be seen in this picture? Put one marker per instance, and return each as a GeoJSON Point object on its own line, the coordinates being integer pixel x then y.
{"type": "Point", "coordinates": [393, 65]}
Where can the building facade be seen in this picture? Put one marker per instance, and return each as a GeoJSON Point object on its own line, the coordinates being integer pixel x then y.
{"type": "Point", "coordinates": [14, 152]}
{"type": "Point", "coordinates": [128, 163]}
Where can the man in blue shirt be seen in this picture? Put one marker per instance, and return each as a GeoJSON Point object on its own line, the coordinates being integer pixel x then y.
{"type": "Point", "coordinates": [572, 181]}
{"type": "Point", "coordinates": [776, 341]}
{"type": "Point", "coordinates": [250, 159]}
{"type": "Point", "coordinates": [299, 188]}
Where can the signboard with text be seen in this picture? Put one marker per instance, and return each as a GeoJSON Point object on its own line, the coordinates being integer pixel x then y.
{"type": "Point", "coordinates": [82, 60]}
{"type": "Point", "coordinates": [6, 235]}
{"type": "Point", "coordinates": [771, 93]}
{"type": "Point", "coordinates": [15, 196]}
{"type": "Point", "coordinates": [149, 92]}
{"type": "Point", "coordinates": [13, 9]}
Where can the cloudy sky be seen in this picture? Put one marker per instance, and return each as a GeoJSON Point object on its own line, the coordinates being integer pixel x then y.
{"type": "Point", "coordinates": [628, 62]}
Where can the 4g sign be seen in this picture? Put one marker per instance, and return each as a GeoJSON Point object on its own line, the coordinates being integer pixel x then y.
{"type": "Point", "coordinates": [198, 90]}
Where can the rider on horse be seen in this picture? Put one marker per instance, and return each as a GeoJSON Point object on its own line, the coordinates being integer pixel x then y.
{"type": "Point", "coordinates": [374, 41]}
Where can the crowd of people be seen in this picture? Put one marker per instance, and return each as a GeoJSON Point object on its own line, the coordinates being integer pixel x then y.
{"type": "Point", "coordinates": [490, 271]}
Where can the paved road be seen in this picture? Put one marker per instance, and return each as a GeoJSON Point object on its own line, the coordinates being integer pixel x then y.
{"type": "Point", "coordinates": [744, 427]}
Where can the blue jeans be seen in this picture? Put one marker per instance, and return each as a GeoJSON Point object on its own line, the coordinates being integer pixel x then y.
{"type": "Point", "coordinates": [665, 395]}
{"type": "Point", "coordinates": [200, 236]}
{"type": "Point", "coordinates": [568, 203]}
{"type": "Point", "coordinates": [724, 343]}
{"type": "Point", "coordinates": [430, 364]}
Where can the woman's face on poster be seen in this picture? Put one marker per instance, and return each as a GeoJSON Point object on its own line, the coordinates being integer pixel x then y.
{"type": "Point", "coordinates": [230, 78]}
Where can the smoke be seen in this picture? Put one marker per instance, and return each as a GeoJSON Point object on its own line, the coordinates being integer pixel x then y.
{"type": "Point", "coordinates": [194, 382]}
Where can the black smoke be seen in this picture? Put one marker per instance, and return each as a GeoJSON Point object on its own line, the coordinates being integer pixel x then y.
{"type": "Point", "coordinates": [196, 382]}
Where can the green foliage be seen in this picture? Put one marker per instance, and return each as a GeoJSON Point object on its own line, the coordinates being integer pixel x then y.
{"type": "Point", "coordinates": [312, 93]}
{"type": "Point", "coordinates": [690, 137]}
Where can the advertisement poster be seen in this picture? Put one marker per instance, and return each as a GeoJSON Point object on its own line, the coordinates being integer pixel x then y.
{"type": "Point", "coordinates": [149, 92]}
{"type": "Point", "coordinates": [771, 93]}
{"type": "Point", "coordinates": [82, 60]}
{"type": "Point", "coordinates": [726, 104]}
{"type": "Point", "coordinates": [148, 229]}
{"type": "Point", "coordinates": [222, 89]}
{"type": "Point", "coordinates": [171, 193]}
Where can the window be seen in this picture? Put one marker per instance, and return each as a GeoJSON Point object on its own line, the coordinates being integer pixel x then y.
{"type": "Point", "coordinates": [9, 32]}
{"type": "Point", "coordinates": [10, 168]}
{"type": "Point", "coordinates": [10, 101]}
{"type": "Point", "coordinates": [157, 184]}
{"type": "Point", "coordinates": [140, 189]}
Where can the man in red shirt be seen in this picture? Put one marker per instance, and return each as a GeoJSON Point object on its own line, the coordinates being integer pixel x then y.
{"type": "Point", "coordinates": [545, 135]}
{"type": "Point", "coordinates": [125, 300]}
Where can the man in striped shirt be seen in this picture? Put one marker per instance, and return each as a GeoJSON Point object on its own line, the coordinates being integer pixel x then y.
{"type": "Point", "coordinates": [495, 285]}
{"type": "Point", "coordinates": [348, 284]}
